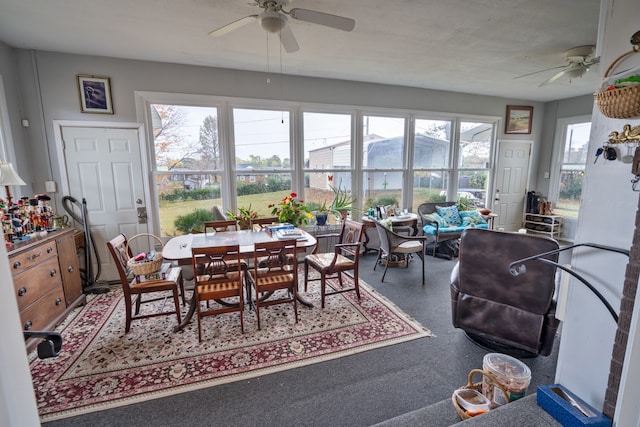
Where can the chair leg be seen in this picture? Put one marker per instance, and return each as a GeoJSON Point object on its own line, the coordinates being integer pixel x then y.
{"type": "Point", "coordinates": [385, 268]}
{"type": "Point", "coordinates": [241, 314]}
{"type": "Point", "coordinates": [295, 304]}
{"type": "Point", "coordinates": [306, 274]}
{"type": "Point", "coordinates": [128, 308]}
{"type": "Point", "coordinates": [322, 287]}
{"type": "Point", "coordinates": [257, 305]}
{"type": "Point", "coordinates": [197, 303]}
{"type": "Point", "coordinates": [176, 301]}
{"type": "Point", "coordinates": [377, 259]}
{"type": "Point", "coordinates": [181, 284]}
{"type": "Point", "coordinates": [138, 303]}
{"type": "Point", "coordinates": [422, 258]}
{"type": "Point", "coordinates": [356, 281]}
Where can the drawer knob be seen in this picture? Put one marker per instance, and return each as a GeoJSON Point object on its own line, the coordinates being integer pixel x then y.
{"type": "Point", "coordinates": [49, 249]}
{"type": "Point", "coordinates": [70, 269]}
{"type": "Point", "coordinates": [34, 256]}
{"type": "Point", "coordinates": [22, 291]}
{"type": "Point", "coordinates": [53, 273]}
{"type": "Point", "coordinates": [58, 301]}
{"type": "Point", "coordinates": [17, 264]}
{"type": "Point", "coordinates": [28, 325]}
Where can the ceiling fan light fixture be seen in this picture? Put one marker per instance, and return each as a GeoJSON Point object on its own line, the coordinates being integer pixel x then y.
{"type": "Point", "coordinates": [272, 21]}
{"type": "Point", "coordinates": [573, 74]}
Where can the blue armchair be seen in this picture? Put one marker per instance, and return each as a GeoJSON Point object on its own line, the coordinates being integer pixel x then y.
{"type": "Point", "coordinates": [441, 221]}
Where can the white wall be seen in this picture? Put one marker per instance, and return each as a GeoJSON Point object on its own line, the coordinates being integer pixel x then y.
{"type": "Point", "coordinates": [607, 216]}
{"type": "Point", "coordinates": [17, 400]}
{"type": "Point", "coordinates": [48, 81]}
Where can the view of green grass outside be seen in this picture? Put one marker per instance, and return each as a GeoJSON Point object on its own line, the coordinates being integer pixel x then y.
{"type": "Point", "coordinates": [169, 211]}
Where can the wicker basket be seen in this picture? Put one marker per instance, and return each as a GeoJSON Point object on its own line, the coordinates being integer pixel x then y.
{"type": "Point", "coordinates": [147, 266]}
{"type": "Point", "coordinates": [475, 386]}
{"type": "Point", "coordinates": [620, 103]}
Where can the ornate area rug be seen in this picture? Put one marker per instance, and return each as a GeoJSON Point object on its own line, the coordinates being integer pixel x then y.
{"type": "Point", "coordinates": [100, 367]}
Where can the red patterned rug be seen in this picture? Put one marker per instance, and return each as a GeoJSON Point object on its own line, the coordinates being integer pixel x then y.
{"type": "Point", "coordinates": [100, 367]}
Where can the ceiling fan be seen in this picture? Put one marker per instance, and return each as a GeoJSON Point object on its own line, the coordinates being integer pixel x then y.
{"type": "Point", "coordinates": [579, 60]}
{"type": "Point", "coordinates": [274, 20]}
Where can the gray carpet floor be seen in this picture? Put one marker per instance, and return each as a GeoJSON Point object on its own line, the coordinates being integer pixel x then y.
{"type": "Point", "coordinates": [358, 390]}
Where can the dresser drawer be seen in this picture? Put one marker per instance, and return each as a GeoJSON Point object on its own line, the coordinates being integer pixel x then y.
{"type": "Point", "coordinates": [39, 315]}
{"type": "Point", "coordinates": [31, 284]}
{"type": "Point", "coordinates": [27, 259]}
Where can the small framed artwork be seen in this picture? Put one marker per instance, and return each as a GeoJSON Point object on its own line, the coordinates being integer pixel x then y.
{"type": "Point", "coordinates": [95, 94]}
{"type": "Point", "coordinates": [519, 119]}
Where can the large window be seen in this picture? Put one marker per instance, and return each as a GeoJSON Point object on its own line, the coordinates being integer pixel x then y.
{"type": "Point", "coordinates": [572, 159]}
{"type": "Point", "coordinates": [327, 156]}
{"type": "Point", "coordinates": [241, 153]}
{"type": "Point", "coordinates": [383, 153]}
{"type": "Point", "coordinates": [431, 160]}
{"type": "Point", "coordinates": [474, 162]}
{"type": "Point", "coordinates": [262, 158]}
{"type": "Point", "coordinates": [187, 165]}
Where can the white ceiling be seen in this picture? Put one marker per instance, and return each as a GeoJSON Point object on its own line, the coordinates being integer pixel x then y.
{"type": "Point", "coordinates": [471, 46]}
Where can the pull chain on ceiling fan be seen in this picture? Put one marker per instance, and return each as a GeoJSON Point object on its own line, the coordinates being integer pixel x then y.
{"type": "Point", "coordinates": [274, 20]}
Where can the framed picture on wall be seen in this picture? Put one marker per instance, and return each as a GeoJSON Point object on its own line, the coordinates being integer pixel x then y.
{"type": "Point", "coordinates": [519, 119]}
{"type": "Point", "coordinates": [95, 94]}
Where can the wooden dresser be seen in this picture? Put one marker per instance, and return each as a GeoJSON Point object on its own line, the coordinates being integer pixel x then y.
{"type": "Point", "coordinates": [46, 279]}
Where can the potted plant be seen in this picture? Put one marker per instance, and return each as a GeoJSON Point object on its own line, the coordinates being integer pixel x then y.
{"type": "Point", "coordinates": [243, 217]}
{"type": "Point", "coordinates": [291, 210]}
{"type": "Point", "coordinates": [342, 201]}
{"type": "Point", "coordinates": [322, 214]}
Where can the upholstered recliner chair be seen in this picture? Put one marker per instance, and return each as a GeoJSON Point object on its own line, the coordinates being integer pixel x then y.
{"type": "Point", "coordinates": [496, 309]}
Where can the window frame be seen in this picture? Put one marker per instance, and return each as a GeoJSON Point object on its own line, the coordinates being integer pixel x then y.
{"type": "Point", "coordinates": [560, 138]}
{"type": "Point", "coordinates": [296, 110]}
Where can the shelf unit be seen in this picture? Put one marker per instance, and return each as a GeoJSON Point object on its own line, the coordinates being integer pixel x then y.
{"type": "Point", "coordinates": [550, 225]}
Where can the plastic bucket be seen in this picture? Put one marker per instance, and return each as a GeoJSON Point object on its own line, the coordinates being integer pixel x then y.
{"type": "Point", "coordinates": [511, 373]}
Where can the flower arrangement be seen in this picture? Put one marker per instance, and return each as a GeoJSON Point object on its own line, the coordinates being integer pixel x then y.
{"type": "Point", "coordinates": [243, 217]}
{"type": "Point", "coordinates": [291, 210]}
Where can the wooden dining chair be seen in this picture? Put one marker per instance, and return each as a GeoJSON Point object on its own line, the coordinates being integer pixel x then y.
{"type": "Point", "coordinates": [221, 277]}
{"type": "Point", "coordinates": [344, 258]}
{"type": "Point", "coordinates": [259, 223]}
{"type": "Point", "coordinates": [133, 291]}
{"type": "Point", "coordinates": [275, 267]}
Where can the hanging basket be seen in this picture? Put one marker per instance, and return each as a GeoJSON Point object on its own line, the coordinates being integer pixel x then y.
{"type": "Point", "coordinates": [620, 103]}
{"type": "Point", "coordinates": [477, 387]}
{"type": "Point", "coordinates": [146, 266]}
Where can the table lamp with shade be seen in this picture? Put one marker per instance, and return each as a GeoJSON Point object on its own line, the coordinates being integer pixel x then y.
{"type": "Point", "coordinates": [9, 176]}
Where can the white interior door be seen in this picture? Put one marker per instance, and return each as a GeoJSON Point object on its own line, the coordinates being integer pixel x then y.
{"type": "Point", "coordinates": [104, 167]}
{"type": "Point", "coordinates": [511, 184]}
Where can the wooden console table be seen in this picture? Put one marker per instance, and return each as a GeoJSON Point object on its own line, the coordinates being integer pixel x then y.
{"type": "Point", "coordinates": [46, 279]}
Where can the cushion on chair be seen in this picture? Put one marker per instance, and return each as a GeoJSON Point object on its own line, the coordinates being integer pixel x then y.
{"type": "Point", "coordinates": [471, 218]}
{"type": "Point", "coordinates": [323, 260]}
{"type": "Point", "coordinates": [409, 247]}
{"type": "Point", "coordinates": [437, 218]}
{"type": "Point", "coordinates": [450, 214]}
{"type": "Point", "coordinates": [431, 229]}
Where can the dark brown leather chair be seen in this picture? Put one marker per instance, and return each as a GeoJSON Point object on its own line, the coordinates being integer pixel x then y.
{"type": "Point", "coordinates": [511, 314]}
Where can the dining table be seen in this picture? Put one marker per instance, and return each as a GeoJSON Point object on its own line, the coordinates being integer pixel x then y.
{"type": "Point", "coordinates": [179, 248]}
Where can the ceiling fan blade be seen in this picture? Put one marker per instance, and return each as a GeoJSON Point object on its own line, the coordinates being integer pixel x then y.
{"type": "Point", "coordinates": [321, 18]}
{"type": "Point", "coordinates": [225, 29]}
{"type": "Point", "coordinates": [288, 40]}
{"type": "Point", "coordinates": [562, 73]}
{"type": "Point", "coordinates": [540, 71]}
